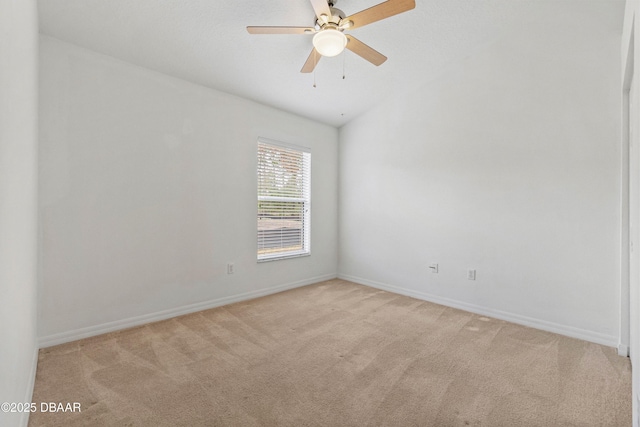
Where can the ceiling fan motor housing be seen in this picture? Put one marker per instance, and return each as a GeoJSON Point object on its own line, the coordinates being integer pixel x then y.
{"type": "Point", "coordinates": [332, 21]}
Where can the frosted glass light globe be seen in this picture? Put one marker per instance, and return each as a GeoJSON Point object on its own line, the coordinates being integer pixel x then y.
{"type": "Point", "coordinates": [329, 42]}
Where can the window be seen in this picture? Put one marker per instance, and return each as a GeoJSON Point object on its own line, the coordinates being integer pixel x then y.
{"type": "Point", "coordinates": [284, 199]}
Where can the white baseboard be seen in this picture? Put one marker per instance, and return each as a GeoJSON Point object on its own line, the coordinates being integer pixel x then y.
{"type": "Point", "coordinates": [623, 350]}
{"type": "Point", "coordinates": [570, 331]}
{"type": "Point", "coordinates": [24, 419]}
{"type": "Point", "coordinates": [68, 336]}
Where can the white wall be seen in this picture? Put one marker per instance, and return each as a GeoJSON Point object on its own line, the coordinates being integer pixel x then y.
{"type": "Point", "coordinates": [630, 70]}
{"type": "Point", "coordinates": [631, 6]}
{"type": "Point", "coordinates": [508, 164]}
{"type": "Point", "coordinates": [18, 203]}
{"type": "Point", "coordinates": [148, 189]}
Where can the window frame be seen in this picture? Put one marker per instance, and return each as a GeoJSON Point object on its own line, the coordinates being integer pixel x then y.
{"type": "Point", "coordinates": [305, 153]}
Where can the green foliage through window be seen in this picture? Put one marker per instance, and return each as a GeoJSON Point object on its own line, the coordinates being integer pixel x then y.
{"type": "Point", "coordinates": [283, 200]}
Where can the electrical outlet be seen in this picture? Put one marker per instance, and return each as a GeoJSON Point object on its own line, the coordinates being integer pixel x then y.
{"type": "Point", "coordinates": [471, 274]}
{"type": "Point", "coordinates": [434, 268]}
{"type": "Point", "coordinates": [231, 268]}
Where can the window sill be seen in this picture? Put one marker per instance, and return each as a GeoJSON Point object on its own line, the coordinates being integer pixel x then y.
{"type": "Point", "coordinates": [286, 256]}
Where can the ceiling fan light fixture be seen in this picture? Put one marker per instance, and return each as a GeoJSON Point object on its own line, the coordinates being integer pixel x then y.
{"type": "Point", "coordinates": [329, 42]}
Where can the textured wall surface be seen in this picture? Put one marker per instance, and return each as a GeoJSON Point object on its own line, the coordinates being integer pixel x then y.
{"type": "Point", "coordinates": [148, 189]}
{"type": "Point", "coordinates": [630, 53]}
{"type": "Point", "coordinates": [508, 164]}
{"type": "Point", "coordinates": [18, 203]}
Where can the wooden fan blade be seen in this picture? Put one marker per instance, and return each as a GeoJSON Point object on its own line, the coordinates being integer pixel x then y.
{"type": "Point", "coordinates": [368, 53]}
{"type": "Point", "coordinates": [379, 11]}
{"type": "Point", "coordinates": [281, 30]}
{"type": "Point", "coordinates": [312, 61]}
{"type": "Point", "coordinates": [321, 7]}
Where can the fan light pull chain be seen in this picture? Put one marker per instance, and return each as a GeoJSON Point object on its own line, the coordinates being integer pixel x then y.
{"type": "Point", "coordinates": [344, 60]}
{"type": "Point", "coordinates": [315, 60]}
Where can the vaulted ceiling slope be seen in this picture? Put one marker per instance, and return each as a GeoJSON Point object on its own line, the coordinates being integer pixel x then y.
{"type": "Point", "coordinates": [206, 42]}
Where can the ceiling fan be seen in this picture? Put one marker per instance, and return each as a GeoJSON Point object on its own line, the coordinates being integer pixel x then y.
{"type": "Point", "coordinates": [329, 38]}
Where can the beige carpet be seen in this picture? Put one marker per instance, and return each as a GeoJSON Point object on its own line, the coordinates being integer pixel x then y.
{"type": "Point", "coordinates": [334, 354]}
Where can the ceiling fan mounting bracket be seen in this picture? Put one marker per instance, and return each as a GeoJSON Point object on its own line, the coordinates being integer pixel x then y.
{"type": "Point", "coordinates": [333, 21]}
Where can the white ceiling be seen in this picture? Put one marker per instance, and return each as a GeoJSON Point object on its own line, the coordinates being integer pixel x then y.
{"type": "Point", "coordinates": [206, 42]}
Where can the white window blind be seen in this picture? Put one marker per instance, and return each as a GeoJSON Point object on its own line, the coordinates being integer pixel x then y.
{"type": "Point", "coordinates": [284, 199]}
